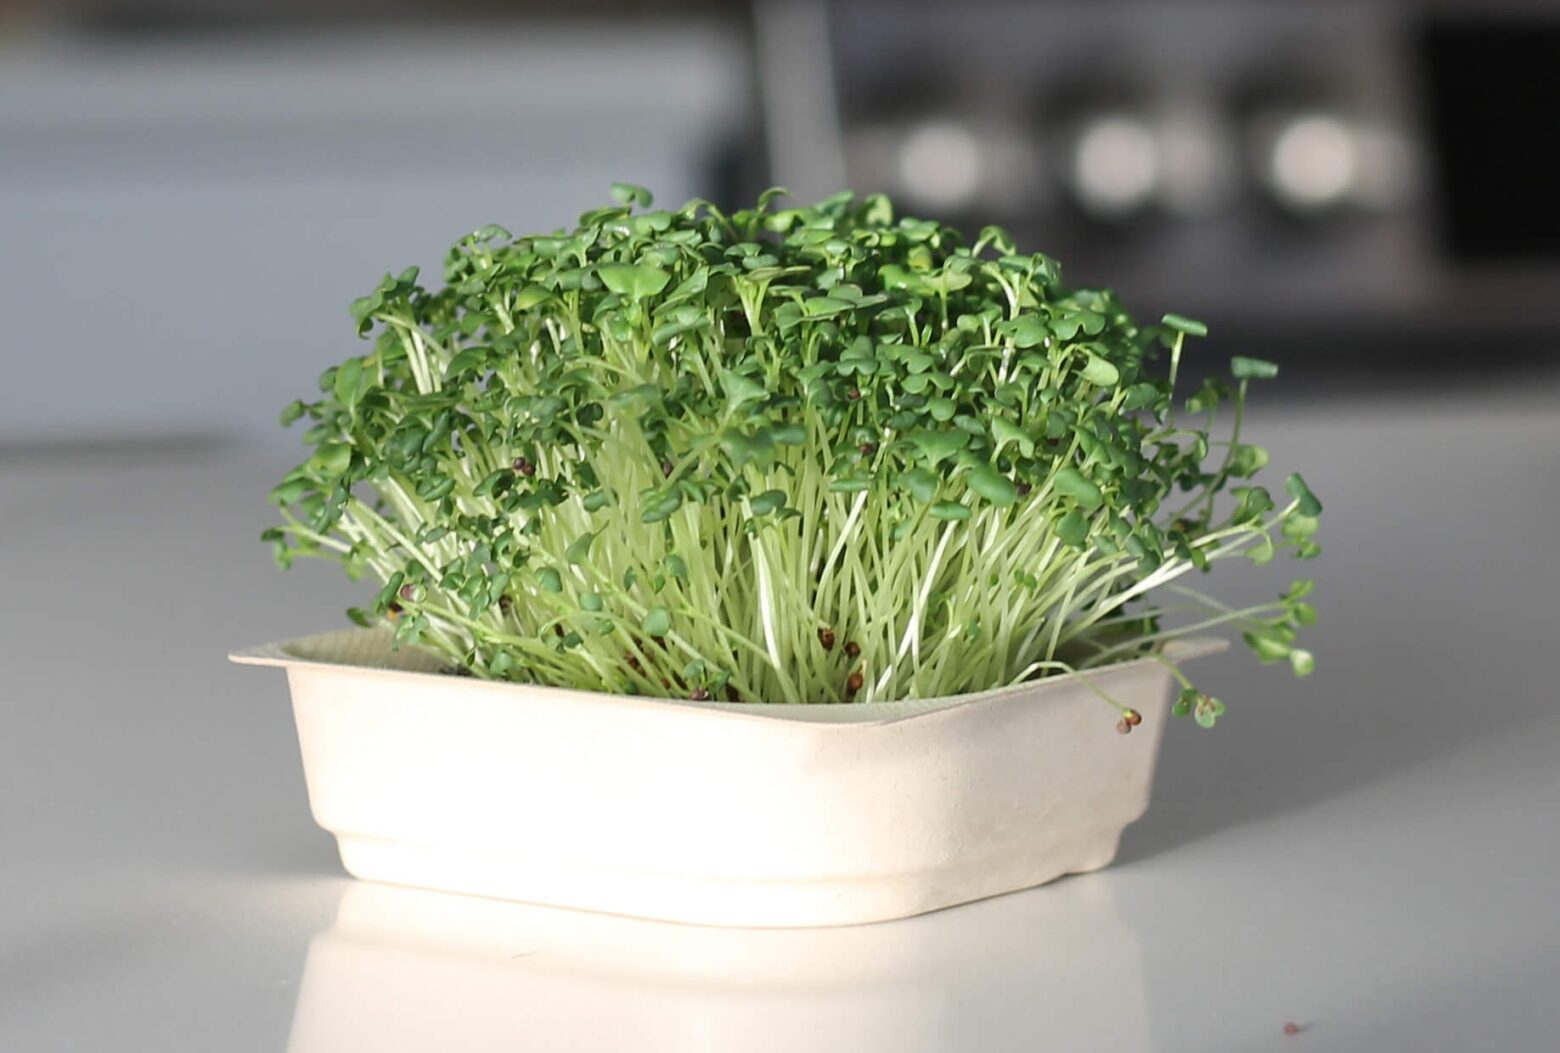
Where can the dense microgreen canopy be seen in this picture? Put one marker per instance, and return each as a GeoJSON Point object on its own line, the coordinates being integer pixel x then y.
{"type": "Point", "coordinates": [685, 453]}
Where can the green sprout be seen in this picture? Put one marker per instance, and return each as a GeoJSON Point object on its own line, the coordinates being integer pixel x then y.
{"type": "Point", "coordinates": [783, 455]}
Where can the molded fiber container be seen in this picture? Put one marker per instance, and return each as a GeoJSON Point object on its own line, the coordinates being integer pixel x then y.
{"type": "Point", "coordinates": [715, 813]}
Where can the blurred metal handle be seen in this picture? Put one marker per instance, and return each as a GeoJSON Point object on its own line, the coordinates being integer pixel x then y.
{"type": "Point", "coordinates": [797, 96]}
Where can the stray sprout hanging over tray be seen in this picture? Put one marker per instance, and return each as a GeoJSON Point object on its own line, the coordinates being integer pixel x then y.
{"type": "Point", "coordinates": [783, 455]}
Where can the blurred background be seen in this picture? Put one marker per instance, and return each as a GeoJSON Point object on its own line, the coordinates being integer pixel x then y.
{"type": "Point", "coordinates": [191, 191]}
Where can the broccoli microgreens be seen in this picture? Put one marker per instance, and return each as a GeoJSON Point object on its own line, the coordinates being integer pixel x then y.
{"type": "Point", "coordinates": [784, 455]}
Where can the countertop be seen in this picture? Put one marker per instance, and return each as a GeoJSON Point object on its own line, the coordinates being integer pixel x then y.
{"type": "Point", "coordinates": [1372, 854]}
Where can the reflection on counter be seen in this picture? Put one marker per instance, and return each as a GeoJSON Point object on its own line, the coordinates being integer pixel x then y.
{"type": "Point", "coordinates": [405, 969]}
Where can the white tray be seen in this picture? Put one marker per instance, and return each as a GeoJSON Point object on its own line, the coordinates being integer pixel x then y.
{"type": "Point", "coordinates": [715, 813]}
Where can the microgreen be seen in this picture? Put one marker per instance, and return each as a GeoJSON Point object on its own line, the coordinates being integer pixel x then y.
{"type": "Point", "coordinates": [685, 453]}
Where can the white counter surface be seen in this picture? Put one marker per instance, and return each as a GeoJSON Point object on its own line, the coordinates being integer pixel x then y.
{"type": "Point", "coordinates": [1372, 855]}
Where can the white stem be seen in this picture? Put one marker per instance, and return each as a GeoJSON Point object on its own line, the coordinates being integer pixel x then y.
{"type": "Point", "coordinates": [911, 641]}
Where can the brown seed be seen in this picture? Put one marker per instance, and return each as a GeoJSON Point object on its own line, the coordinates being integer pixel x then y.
{"type": "Point", "coordinates": [506, 604]}
{"type": "Point", "coordinates": [559, 629]}
{"type": "Point", "coordinates": [666, 468]}
{"type": "Point", "coordinates": [1132, 717]}
{"type": "Point", "coordinates": [852, 649]}
{"type": "Point", "coordinates": [853, 683]}
{"type": "Point", "coordinates": [867, 449]}
{"type": "Point", "coordinates": [700, 694]}
{"type": "Point", "coordinates": [408, 592]}
{"type": "Point", "coordinates": [853, 394]}
{"type": "Point", "coordinates": [732, 694]}
{"type": "Point", "coordinates": [1023, 489]}
{"type": "Point", "coordinates": [524, 467]}
{"type": "Point", "coordinates": [826, 637]}
{"type": "Point", "coordinates": [633, 661]}
{"type": "Point", "coordinates": [667, 684]}
{"type": "Point", "coordinates": [1124, 726]}
{"type": "Point", "coordinates": [393, 610]}
{"type": "Point", "coordinates": [1291, 1028]}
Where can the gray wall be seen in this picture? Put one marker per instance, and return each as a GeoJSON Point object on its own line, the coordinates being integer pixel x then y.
{"type": "Point", "coordinates": [182, 224]}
